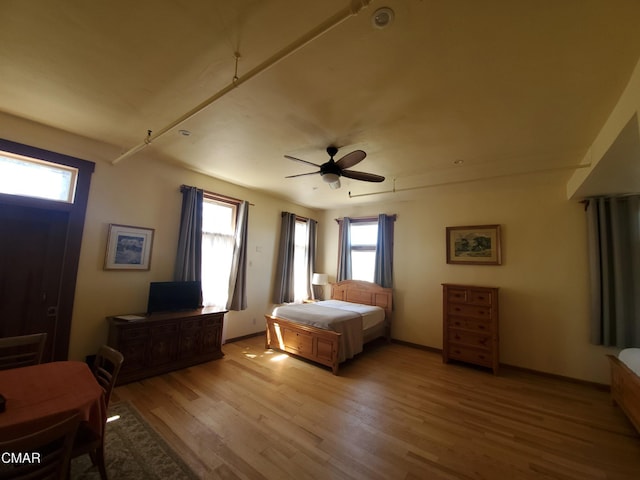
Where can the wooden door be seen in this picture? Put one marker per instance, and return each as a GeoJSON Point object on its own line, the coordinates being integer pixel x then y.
{"type": "Point", "coordinates": [39, 254]}
{"type": "Point", "coordinates": [32, 250]}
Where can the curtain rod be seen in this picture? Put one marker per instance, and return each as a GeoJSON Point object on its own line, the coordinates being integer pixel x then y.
{"type": "Point", "coordinates": [298, 217]}
{"type": "Point", "coordinates": [215, 196]}
{"type": "Point", "coordinates": [367, 219]}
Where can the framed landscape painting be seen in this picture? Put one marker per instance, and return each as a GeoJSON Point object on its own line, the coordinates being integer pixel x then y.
{"type": "Point", "coordinates": [128, 248]}
{"type": "Point", "coordinates": [474, 245]}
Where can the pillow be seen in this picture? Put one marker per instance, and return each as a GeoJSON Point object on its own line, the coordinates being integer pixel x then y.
{"type": "Point", "coordinates": [631, 358]}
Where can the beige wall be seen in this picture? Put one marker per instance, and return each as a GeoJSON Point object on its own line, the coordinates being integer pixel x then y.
{"type": "Point", "coordinates": [144, 192]}
{"type": "Point", "coordinates": [543, 279]}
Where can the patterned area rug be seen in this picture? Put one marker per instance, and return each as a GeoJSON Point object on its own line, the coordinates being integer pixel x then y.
{"type": "Point", "coordinates": [133, 451]}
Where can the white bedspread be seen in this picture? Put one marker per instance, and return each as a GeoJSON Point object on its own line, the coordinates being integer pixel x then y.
{"type": "Point", "coordinates": [631, 358]}
{"type": "Point", "coordinates": [348, 319]}
{"type": "Point", "coordinates": [371, 315]}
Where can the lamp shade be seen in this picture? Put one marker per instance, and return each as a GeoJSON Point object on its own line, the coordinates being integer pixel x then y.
{"type": "Point", "coordinates": [320, 279]}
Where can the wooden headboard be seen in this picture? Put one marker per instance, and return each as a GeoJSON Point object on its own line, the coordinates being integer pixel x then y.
{"type": "Point", "coordinates": [367, 293]}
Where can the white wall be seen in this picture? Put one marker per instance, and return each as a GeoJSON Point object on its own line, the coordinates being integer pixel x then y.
{"type": "Point", "coordinates": [543, 279]}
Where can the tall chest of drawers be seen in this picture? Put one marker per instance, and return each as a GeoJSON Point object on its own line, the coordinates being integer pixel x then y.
{"type": "Point", "coordinates": [470, 325]}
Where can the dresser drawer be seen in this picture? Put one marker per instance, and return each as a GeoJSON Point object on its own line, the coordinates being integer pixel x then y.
{"type": "Point", "coordinates": [469, 338]}
{"type": "Point", "coordinates": [468, 323]}
{"type": "Point", "coordinates": [191, 324]}
{"type": "Point", "coordinates": [134, 333]}
{"type": "Point", "coordinates": [457, 295]}
{"type": "Point", "coordinates": [470, 355]}
{"type": "Point", "coordinates": [480, 297]}
{"type": "Point", "coordinates": [213, 320]}
{"type": "Point", "coordinates": [475, 311]}
{"type": "Point", "coordinates": [168, 329]}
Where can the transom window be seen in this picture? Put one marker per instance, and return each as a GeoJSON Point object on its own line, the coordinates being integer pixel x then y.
{"type": "Point", "coordinates": [31, 177]}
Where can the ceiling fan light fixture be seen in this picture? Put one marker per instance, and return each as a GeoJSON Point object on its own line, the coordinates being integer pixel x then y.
{"type": "Point", "coordinates": [330, 178]}
{"type": "Point", "coordinates": [382, 17]}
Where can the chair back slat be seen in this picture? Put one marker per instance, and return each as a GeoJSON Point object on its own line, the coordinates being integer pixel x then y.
{"type": "Point", "coordinates": [106, 368]}
{"type": "Point", "coordinates": [52, 445]}
{"type": "Point", "coordinates": [22, 351]}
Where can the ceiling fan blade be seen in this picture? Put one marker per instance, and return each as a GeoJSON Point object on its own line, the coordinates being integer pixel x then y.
{"type": "Point", "coordinates": [300, 160]}
{"type": "Point", "coordinates": [367, 177]}
{"type": "Point", "coordinates": [302, 174]}
{"type": "Point", "coordinates": [350, 159]}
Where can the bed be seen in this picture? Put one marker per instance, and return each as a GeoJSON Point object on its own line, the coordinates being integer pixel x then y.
{"type": "Point", "coordinates": [330, 332]}
{"type": "Point", "coordinates": [625, 383]}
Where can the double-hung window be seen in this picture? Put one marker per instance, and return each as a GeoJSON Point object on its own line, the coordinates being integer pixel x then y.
{"type": "Point", "coordinates": [301, 273]}
{"type": "Point", "coordinates": [364, 236]}
{"type": "Point", "coordinates": [218, 236]}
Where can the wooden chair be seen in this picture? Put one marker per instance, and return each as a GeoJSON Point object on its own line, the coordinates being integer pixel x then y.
{"type": "Point", "coordinates": [105, 368]}
{"type": "Point", "coordinates": [21, 351]}
{"type": "Point", "coordinates": [43, 454]}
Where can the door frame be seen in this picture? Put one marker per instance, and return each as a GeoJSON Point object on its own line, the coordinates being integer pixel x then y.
{"type": "Point", "coordinates": [77, 212]}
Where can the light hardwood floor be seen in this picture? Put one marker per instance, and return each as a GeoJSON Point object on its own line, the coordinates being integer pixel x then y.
{"type": "Point", "coordinates": [395, 412]}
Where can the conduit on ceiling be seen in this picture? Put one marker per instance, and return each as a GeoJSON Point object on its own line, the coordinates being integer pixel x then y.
{"type": "Point", "coordinates": [454, 182]}
{"type": "Point", "coordinates": [353, 8]}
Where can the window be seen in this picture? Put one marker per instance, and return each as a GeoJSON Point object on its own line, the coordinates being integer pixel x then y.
{"type": "Point", "coordinates": [364, 236]}
{"type": "Point", "coordinates": [300, 255]}
{"type": "Point", "coordinates": [30, 177]}
{"type": "Point", "coordinates": [218, 231]}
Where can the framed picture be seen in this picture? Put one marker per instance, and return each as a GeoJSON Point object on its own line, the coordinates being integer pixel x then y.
{"type": "Point", "coordinates": [128, 248]}
{"type": "Point", "coordinates": [475, 245]}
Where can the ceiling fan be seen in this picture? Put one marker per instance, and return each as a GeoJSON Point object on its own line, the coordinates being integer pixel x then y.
{"type": "Point", "coordinates": [332, 170]}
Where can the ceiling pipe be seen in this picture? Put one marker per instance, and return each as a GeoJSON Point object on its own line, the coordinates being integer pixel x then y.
{"type": "Point", "coordinates": [455, 182]}
{"type": "Point", "coordinates": [353, 8]}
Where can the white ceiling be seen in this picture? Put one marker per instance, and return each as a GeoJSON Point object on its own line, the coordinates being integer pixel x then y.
{"type": "Point", "coordinates": [506, 86]}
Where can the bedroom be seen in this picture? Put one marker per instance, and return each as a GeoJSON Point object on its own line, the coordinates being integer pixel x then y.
{"type": "Point", "coordinates": [544, 276]}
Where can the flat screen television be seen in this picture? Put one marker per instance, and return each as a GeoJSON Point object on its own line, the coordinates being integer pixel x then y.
{"type": "Point", "coordinates": [174, 296]}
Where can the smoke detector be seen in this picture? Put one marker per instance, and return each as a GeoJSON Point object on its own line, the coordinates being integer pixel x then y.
{"type": "Point", "coordinates": [382, 17]}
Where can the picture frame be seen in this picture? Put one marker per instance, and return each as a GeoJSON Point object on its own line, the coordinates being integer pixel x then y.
{"type": "Point", "coordinates": [474, 245]}
{"type": "Point", "coordinates": [128, 248]}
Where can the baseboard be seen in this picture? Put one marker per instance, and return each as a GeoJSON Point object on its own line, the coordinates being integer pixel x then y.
{"type": "Point", "coordinates": [244, 337]}
{"type": "Point", "coordinates": [599, 386]}
{"type": "Point", "coordinates": [416, 345]}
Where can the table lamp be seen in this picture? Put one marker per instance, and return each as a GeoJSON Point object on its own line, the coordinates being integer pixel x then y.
{"type": "Point", "coordinates": [320, 279]}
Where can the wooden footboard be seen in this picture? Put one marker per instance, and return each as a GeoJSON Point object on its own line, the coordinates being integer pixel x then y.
{"type": "Point", "coordinates": [315, 344]}
{"type": "Point", "coordinates": [323, 346]}
{"type": "Point", "coordinates": [625, 390]}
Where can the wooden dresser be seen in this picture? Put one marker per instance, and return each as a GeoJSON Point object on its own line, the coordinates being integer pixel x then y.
{"type": "Point", "coordinates": [161, 342]}
{"type": "Point", "coordinates": [470, 325]}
